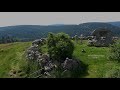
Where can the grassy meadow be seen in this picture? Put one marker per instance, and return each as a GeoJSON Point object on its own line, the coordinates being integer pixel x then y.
{"type": "Point", "coordinates": [11, 57]}
{"type": "Point", "coordinates": [95, 58]}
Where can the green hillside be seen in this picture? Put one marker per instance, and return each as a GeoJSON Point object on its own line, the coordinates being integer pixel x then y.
{"type": "Point", "coordinates": [31, 32]}
{"type": "Point", "coordinates": [12, 58]}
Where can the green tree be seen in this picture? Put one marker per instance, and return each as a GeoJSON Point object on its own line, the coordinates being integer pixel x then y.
{"type": "Point", "coordinates": [8, 39]}
{"type": "Point", "coordinates": [59, 46]}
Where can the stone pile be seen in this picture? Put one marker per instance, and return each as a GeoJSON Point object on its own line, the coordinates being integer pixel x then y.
{"type": "Point", "coordinates": [33, 52]}
{"type": "Point", "coordinates": [43, 60]}
{"type": "Point", "coordinates": [47, 65]}
{"type": "Point", "coordinates": [38, 41]}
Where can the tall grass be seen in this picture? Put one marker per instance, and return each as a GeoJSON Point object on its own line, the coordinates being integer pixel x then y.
{"type": "Point", "coordinates": [11, 55]}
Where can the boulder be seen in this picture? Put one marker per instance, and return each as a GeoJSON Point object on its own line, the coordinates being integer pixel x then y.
{"type": "Point", "coordinates": [71, 64]}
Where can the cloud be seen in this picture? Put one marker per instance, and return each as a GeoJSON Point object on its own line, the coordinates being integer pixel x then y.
{"type": "Point", "coordinates": [46, 18]}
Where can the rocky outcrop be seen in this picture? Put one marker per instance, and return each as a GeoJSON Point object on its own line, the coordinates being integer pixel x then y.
{"type": "Point", "coordinates": [43, 60]}
{"type": "Point", "coordinates": [71, 64]}
{"type": "Point", "coordinates": [39, 41]}
{"type": "Point", "coordinates": [33, 52]}
{"type": "Point", "coordinates": [47, 65]}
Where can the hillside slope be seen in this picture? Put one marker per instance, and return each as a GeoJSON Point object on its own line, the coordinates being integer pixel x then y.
{"type": "Point", "coordinates": [115, 23]}
{"type": "Point", "coordinates": [30, 32]}
{"type": "Point", "coordinates": [11, 56]}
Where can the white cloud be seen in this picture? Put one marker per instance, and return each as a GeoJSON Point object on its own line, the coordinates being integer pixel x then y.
{"type": "Point", "coordinates": [45, 18]}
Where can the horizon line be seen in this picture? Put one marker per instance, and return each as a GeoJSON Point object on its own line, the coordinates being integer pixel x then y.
{"type": "Point", "coordinates": [57, 24]}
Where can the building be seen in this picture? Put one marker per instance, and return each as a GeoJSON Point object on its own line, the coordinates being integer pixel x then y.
{"type": "Point", "coordinates": [101, 37]}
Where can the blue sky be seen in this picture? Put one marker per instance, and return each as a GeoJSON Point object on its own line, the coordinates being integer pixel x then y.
{"type": "Point", "coordinates": [47, 18]}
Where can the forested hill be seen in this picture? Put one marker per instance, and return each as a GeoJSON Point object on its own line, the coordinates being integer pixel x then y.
{"type": "Point", "coordinates": [117, 23]}
{"type": "Point", "coordinates": [37, 31]}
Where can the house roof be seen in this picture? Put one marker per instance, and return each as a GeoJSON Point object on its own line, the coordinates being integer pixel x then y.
{"type": "Point", "coordinates": [101, 30]}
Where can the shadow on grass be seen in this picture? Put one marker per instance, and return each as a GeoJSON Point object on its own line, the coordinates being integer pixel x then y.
{"type": "Point", "coordinates": [82, 71]}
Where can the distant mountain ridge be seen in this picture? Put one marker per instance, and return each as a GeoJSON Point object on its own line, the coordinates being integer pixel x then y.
{"type": "Point", "coordinates": [56, 25]}
{"type": "Point", "coordinates": [115, 23]}
{"type": "Point", "coordinates": [38, 31]}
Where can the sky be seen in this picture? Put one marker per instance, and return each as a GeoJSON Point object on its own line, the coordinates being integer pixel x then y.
{"type": "Point", "coordinates": [48, 18]}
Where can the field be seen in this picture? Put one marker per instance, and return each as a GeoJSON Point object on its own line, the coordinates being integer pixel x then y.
{"type": "Point", "coordinates": [11, 57]}
{"type": "Point", "coordinates": [95, 58]}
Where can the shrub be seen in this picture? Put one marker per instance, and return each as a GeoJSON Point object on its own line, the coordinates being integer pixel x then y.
{"type": "Point", "coordinates": [59, 46]}
{"type": "Point", "coordinates": [115, 51]}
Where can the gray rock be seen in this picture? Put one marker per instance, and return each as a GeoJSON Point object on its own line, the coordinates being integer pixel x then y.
{"type": "Point", "coordinates": [33, 52]}
{"type": "Point", "coordinates": [71, 64]}
{"type": "Point", "coordinates": [38, 41]}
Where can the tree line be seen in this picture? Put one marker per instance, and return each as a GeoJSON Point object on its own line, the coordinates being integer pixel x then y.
{"type": "Point", "coordinates": [8, 39]}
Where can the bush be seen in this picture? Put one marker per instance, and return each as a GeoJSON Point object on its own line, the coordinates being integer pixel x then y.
{"type": "Point", "coordinates": [115, 51]}
{"type": "Point", "coordinates": [59, 46]}
{"type": "Point", "coordinates": [113, 73]}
